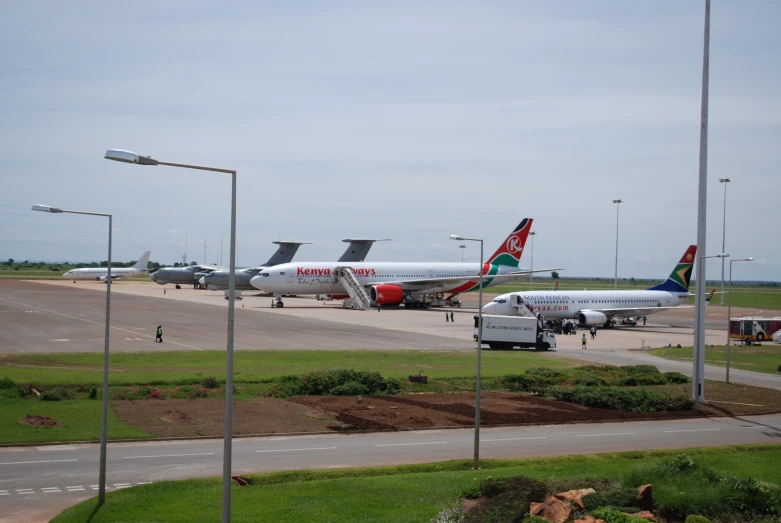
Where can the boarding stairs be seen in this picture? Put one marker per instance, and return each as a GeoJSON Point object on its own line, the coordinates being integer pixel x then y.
{"type": "Point", "coordinates": [358, 297]}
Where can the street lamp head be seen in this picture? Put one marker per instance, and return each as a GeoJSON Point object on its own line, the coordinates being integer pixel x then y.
{"type": "Point", "coordinates": [120, 155]}
{"type": "Point", "coordinates": [532, 233]}
{"type": "Point", "coordinates": [722, 255]}
{"type": "Point", "coordinates": [618, 201]}
{"type": "Point", "coordinates": [742, 259]}
{"type": "Point", "coordinates": [456, 237]}
{"type": "Point", "coordinates": [724, 180]}
{"type": "Point", "coordinates": [46, 208]}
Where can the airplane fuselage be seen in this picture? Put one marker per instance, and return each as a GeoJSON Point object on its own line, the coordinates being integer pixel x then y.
{"type": "Point", "coordinates": [100, 273]}
{"type": "Point", "coordinates": [218, 280]}
{"type": "Point", "coordinates": [570, 304]}
{"type": "Point", "coordinates": [323, 277]}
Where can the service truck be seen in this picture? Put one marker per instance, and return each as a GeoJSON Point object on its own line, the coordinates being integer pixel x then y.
{"type": "Point", "coordinates": [508, 332]}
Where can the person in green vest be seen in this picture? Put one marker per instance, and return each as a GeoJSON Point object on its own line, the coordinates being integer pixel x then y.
{"type": "Point", "coordinates": [159, 336]}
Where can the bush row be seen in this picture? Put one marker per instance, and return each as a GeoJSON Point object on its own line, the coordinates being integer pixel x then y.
{"type": "Point", "coordinates": [337, 382]}
{"type": "Point", "coordinates": [634, 400]}
{"type": "Point", "coordinates": [539, 380]}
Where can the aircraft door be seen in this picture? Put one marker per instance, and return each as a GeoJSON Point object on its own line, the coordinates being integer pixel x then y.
{"type": "Point", "coordinates": [289, 276]}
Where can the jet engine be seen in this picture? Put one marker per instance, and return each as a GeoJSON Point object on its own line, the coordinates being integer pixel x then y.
{"type": "Point", "coordinates": [592, 317]}
{"type": "Point", "coordinates": [386, 294]}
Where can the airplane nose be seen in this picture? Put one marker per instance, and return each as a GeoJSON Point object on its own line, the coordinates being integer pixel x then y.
{"type": "Point", "coordinates": [153, 276]}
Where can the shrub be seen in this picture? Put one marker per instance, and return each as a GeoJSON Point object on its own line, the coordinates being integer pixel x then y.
{"type": "Point", "coordinates": [200, 393]}
{"type": "Point", "coordinates": [119, 394]}
{"type": "Point", "coordinates": [322, 383]}
{"type": "Point", "coordinates": [611, 515]}
{"type": "Point", "coordinates": [779, 368]}
{"type": "Point", "coordinates": [694, 518]}
{"type": "Point", "coordinates": [210, 382]}
{"type": "Point", "coordinates": [351, 388]}
{"type": "Point", "coordinates": [629, 381]}
{"type": "Point", "coordinates": [589, 380]}
{"type": "Point", "coordinates": [25, 389]}
{"type": "Point", "coordinates": [620, 497]}
{"type": "Point", "coordinates": [534, 519]}
{"type": "Point", "coordinates": [521, 485]}
{"type": "Point", "coordinates": [640, 369]}
{"type": "Point", "coordinates": [633, 400]}
{"type": "Point", "coordinates": [509, 499]}
{"type": "Point", "coordinates": [651, 379]}
{"type": "Point", "coordinates": [56, 394]}
{"type": "Point", "coordinates": [143, 392]}
{"type": "Point", "coordinates": [522, 383]}
{"type": "Point", "coordinates": [93, 393]}
{"type": "Point", "coordinates": [7, 383]}
{"type": "Point", "coordinates": [676, 377]}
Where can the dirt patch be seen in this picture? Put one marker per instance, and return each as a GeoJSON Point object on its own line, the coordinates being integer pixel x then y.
{"type": "Point", "coordinates": [422, 411]}
{"type": "Point", "coordinates": [205, 417]}
{"type": "Point", "coordinates": [35, 420]}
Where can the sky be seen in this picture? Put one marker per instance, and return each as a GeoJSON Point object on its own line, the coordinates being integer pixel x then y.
{"type": "Point", "coordinates": [404, 120]}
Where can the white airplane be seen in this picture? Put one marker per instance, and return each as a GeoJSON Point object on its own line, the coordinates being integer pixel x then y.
{"type": "Point", "coordinates": [117, 273]}
{"type": "Point", "coordinates": [394, 283]}
{"type": "Point", "coordinates": [602, 307]}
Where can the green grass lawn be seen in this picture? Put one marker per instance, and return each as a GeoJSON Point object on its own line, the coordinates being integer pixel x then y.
{"type": "Point", "coordinates": [253, 366]}
{"type": "Point", "coordinates": [388, 494]}
{"type": "Point", "coordinates": [80, 422]}
{"type": "Point", "coordinates": [764, 358]}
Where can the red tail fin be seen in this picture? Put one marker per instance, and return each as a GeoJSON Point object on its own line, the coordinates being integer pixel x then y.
{"type": "Point", "coordinates": [512, 249]}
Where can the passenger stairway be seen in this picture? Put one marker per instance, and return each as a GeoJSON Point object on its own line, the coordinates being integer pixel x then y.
{"type": "Point", "coordinates": [354, 289]}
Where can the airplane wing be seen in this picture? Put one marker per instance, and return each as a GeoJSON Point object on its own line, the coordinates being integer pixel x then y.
{"type": "Point", "coordinates": [456, 281]}
{"type": "Point", "coordinates": [114, 277]}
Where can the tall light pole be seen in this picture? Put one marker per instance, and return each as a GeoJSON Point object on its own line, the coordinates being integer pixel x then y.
{"type": "Point", "coordinates": [702, 201]}
{"type": "Point", "coordinates": [729, 308]}
{"type": "Point", "coordinates": [725, 181]}
{"type": "Point", "coordinates": [129, 157]}
{"type": "Point", "coordinates": [462, 247]}
{"type": "Point", "coordinates": [531, 276]}
{"type": "Point", "coordinates": [618, 204]}
{"type": "Point", "coordinates": [104, 410]}
{"type": "Point", "coordinates": [476, 464]}
{"type": "Point", "coordinates": [698, 371]}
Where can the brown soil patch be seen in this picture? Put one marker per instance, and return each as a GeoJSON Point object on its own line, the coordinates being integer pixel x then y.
{"type": "Point", "coordinates": [205, 417]}
{"type": "Point", "coordinates": [423, 411]}
{"type": "Point", "coordinates": [35, 420]}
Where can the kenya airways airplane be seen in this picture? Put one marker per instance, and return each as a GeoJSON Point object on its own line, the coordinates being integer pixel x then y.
{"type": "Point", "coordinates": [601, 307]}
{"type": "Point", "coordinates": [394, 283]}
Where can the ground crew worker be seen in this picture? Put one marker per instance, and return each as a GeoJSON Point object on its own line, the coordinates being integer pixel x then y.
{"type": "Point", "coordinates": [447, 317]}
{"type": "Point", "coordinates": [593, 332]}
{"type": "Point", "coordinates": [159, 336]}
{"type": "Point", "coordinates": [452, 317]}
{"type": "Point", "coordinates": [583, 341]}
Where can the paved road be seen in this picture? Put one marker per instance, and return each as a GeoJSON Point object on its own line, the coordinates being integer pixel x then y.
{"type": "Point", "coordinates": [55, 477]}
{"type": "Point", "coordinates": [42, 318]}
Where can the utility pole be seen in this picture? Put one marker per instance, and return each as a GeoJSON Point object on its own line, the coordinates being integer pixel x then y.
{"type": "Point", "coordinates": [725, 181]}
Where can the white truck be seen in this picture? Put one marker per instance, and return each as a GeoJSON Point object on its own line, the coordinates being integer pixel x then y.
{"type": "Point", "coordinates": [508, 332]}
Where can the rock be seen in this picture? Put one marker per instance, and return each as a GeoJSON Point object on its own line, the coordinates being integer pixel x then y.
{"type": "Point", "coordinates": [646, 514]}
{"type": "Point", "coordinates": [589, 519]}
{"type": "Point", "coordinates": [240, 481]}
{"type": "Point", "coordinates": [553, 509]}
{"type": "Point", "coordinates": [575, 496]}
{"type": "Point", "coordinates": [645, 498]}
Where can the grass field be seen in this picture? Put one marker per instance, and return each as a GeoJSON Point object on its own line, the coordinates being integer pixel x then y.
{"type": "Point", "coordinates": [80, 419]}
{"type": "Point", "coordinates": [388, 494]}
{"type": "Point", "coordinates": [764, 358]}
{"type": "Point", "coordinates": [254, 366]}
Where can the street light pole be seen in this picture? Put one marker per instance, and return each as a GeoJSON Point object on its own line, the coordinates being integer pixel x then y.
{"type": "Point", "coordinates": [106, 332]}
{"type": "Point", "coordinates": [531, 276]}
{"type": "Point", "coordinates": [698, 372]}
{"type": "Point", "coordinates": [476, 464]}
{"type": "Point", "coordinates": [729, 308]}
{"type": "Point", "coordinates": [130, 157]}
{"type": "Point", "coordinates": [617, 202]}
{"type": "Point", "coordinates": [725, 181]}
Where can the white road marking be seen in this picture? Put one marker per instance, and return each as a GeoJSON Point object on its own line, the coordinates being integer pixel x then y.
{"type": "Point", "coordinates": [62, 339]}
{"type": "Point", "coordinates": [292, 450]}
{"type": "Point", "coordinates": [30, 462]}
{"type": "Point", "coordinates": [408, 444]}
{"type": "Point", "coordinates": [614, 434]}
{"type": "Point", "coordinates": [513, 439]}
{"type": "Point", "coordinates": [689, 430]}
{"type": "Point", "coordinates": [144, 483]}
{"type": "Point", "coordinates": [47, 491]}
{"type": "Point", "coordinates": [169, 456]}
{"type": "Point", "coordinates": [140, 339]}
{"type": "Point", "coordinates": [75, 489]}
{"type": "Point", "coordinates": [129, 339]}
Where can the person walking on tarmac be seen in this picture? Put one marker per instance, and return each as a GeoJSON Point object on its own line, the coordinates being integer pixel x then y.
{"type": "Point", "coordinates": [452, 317]}
{"type": "Point", "coordinates": [159, 336]}
{"type": "Point", "coordinates": [583, 341]}
{"type": "Point", "coordinates": [447, 317]}
{"type": "Point", "coordinates": [593, 332]}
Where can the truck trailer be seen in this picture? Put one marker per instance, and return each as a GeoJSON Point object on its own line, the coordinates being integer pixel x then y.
{"type": "Point", "coordinates": [508, 332]}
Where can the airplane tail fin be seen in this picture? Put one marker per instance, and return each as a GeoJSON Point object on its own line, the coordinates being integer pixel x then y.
{"type": "Point", "coordinates": [510, 252]}
{"type": "Point", "coordinates": [358, 249]}
{"type": "Point", "coordinates": [143, 262]}
{"type": "Point", "coordinates": [556, 287]}
{"type": "Point", "coordinates": [710, 296]}
{"type": "Point", "coordinates": [284, 254]}
{"type": "Point", "coordinates": [679, 279]}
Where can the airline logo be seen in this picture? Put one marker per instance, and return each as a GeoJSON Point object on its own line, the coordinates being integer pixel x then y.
{"type": "Point", "coordinates": [514, 245]}
{"type": "Point", "coordinates": [303, 272]}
